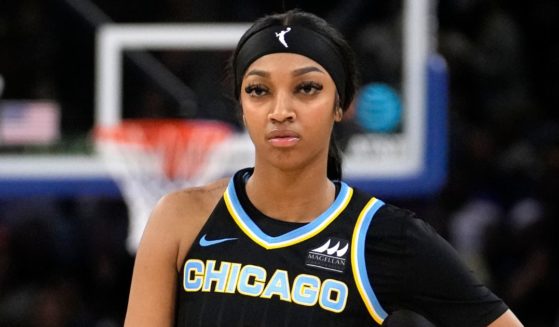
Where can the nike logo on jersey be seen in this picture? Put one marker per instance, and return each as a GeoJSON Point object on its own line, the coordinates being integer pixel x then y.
{"type": "Point", "coordinates": [205, 242]}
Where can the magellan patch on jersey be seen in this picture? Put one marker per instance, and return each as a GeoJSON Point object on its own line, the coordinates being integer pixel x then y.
{"type": "Point", "coordinates": [331, 255]}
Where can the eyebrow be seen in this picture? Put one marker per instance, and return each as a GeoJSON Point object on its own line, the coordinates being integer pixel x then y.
{"type": "Point", "coordinates": [257, 72]}
{"type": "Point", "coordinates": [305, 70]}
{"type": "Point", "coordinates": [296, 72]}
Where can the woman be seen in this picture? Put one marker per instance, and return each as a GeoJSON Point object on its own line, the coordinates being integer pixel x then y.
{"type": "Point", "coordinates": [286, 242]}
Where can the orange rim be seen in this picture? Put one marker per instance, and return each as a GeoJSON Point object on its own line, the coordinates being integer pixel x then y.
{"type": "Point", "coordinates": [183, 144]}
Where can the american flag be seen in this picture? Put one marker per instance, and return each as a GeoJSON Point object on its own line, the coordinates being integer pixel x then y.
{"type": "Point", "coordinates": [29, 122]}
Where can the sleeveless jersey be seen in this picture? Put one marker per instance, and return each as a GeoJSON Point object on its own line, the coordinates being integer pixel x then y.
{"type": "Point", "coordinates": [245, 269]}
{"type": "Point", "coordinates": [237, 275]}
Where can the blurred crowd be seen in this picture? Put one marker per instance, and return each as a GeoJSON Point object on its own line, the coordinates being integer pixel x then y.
{"type": "Point", "coordinates": [63, 262]}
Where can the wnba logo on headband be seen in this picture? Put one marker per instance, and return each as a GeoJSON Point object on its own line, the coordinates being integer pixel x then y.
{"type": "Point", "coordinates": [302, 41]}
{"type": "Point", "coordinates": [281, 36]}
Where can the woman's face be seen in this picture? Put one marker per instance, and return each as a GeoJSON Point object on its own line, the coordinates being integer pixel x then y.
{"type": "Point", "coordinates": [288, 102]}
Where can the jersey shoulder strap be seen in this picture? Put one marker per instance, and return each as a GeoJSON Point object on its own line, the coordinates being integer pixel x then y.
{"type": "Point", "coordinates": [359, 267]}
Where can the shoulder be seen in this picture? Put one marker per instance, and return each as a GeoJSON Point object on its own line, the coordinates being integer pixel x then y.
{"type": "Point", "coordinates": [201, 199]}
{"type": "Point", "coordinates": [180, 215]}
{"type": "Point", "coordinates": [394, 221]}
{"type": "Point", "coordinates": [403, 229]}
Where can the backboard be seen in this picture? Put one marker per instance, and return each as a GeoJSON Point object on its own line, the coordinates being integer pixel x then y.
{"type": "Point", "coordinates": [403, 156]}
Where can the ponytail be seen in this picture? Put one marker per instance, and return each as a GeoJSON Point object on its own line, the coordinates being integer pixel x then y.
{"type": "Point", "coordinates": [334, 166]}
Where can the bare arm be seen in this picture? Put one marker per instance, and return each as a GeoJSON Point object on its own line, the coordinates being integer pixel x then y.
{"type": "Point", "coordinates": [172, 227]}
{"type": "Point", "coordinates": [507, 319]}
{"type": "Point", "coordinates": [152, 292]}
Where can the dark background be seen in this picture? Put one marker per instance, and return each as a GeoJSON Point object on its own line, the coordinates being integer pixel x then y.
{"type": "Point", "coordinates": [63, 261]}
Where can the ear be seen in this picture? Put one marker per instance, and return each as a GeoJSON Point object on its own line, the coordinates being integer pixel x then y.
{"type": "Point", "coordinates": [338, 115]}
{"type": "Point", "coordinates": [338, 112]}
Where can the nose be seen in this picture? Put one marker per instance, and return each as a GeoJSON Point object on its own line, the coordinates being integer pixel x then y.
{"type": "Point", "coordinates": [282, 108]}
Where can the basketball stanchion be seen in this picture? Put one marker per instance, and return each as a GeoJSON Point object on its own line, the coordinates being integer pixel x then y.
{"type": "Point", "coordinates": [148, 158]}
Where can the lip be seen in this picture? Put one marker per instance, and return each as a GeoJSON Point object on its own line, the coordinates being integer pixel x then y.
{"type": "Point", "coordinates": [283, 138]}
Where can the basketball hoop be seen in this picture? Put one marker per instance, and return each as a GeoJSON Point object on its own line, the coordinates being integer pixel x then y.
{"type": "Point", "coordinates": [148, 158]}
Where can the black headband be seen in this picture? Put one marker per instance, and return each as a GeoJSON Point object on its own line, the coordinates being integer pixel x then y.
{"type": "Point", "coordinates": [291, 39]}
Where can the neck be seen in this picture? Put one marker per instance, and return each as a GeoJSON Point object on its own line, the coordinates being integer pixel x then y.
{"type": "Point", "coordinates": [295, 196]}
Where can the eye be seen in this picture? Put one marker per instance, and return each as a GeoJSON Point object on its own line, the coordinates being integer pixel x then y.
{"type": "Point", "coordinates": [309, 88]}
{"type": "Point", "coordinates": [256, 90]}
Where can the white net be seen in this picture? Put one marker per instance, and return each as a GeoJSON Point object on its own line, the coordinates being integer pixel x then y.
{"type": "Point", "coordinates": [149, 159]}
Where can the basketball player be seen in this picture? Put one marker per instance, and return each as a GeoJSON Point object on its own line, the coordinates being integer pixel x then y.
{"type": "Point", "coordinates": [286, 242]}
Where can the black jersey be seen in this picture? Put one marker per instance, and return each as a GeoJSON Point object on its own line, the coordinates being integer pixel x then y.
{"type": "Point", "coordinates": [351, 266]}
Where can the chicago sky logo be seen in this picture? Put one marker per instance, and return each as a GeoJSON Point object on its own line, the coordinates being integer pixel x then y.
{"type": "Point", "coordinates": [331, 255]}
